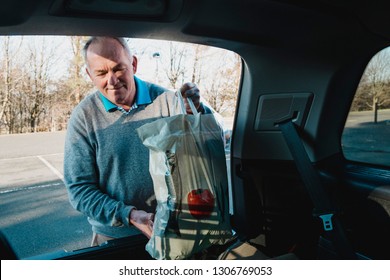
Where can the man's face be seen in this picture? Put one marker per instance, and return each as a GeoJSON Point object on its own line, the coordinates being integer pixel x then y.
{"type": "Point", "coordinates": [112, 70]}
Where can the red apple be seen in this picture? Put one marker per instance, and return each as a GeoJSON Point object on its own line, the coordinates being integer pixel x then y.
{"type": "Point", "coordinates": [200, 203]}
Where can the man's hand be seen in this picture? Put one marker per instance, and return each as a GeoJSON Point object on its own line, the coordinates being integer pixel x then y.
{"type": "Point", "coordinates": [190, 90]}
{"type": "Point", "coordinates": [143, 221]}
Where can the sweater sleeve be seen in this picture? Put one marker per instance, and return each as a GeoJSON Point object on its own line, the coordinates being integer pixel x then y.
{"type": "Point", "coordinates": [81, 176]}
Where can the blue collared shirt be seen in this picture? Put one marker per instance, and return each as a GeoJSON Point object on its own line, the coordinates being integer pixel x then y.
{"type": "Point", "coordinates": [142, 98]}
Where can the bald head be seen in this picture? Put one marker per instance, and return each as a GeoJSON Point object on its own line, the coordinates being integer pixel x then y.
{"type": "Point", "coordinates": [104, 43]}
{"type": "Point", "coordinates": [111, 68]}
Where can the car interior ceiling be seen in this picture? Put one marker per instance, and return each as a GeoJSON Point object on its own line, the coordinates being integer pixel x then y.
{"type": "Point", "coordinates": [287, 47]}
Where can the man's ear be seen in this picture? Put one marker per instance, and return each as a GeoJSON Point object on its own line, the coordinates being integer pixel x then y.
{"type": "Point", "coordinates": [134, 64]}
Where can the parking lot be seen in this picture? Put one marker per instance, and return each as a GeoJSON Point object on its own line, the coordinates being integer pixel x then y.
{"type": "Point", "coordinates": [32, 192]}
{"type": "Point", "coordinates": [366, 141]}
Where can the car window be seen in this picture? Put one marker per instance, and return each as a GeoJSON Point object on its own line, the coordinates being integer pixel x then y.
{"type": "Point", "coordinates": [44, 78]}
{"type": "Point", "coordinates": [366, 136]}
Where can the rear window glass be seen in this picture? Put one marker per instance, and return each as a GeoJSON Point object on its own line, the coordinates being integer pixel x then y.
{"type": "Point", "coordinates": [366, 136]}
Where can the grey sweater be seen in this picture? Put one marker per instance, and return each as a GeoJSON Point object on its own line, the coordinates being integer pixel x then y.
{"type": "Point", "coordinates": [106, 167]}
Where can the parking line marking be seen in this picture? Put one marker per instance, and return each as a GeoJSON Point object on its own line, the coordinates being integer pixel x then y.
{"type": "Point", "coordinates": [52, 168]}
{"type": "Point", "coordinates": [27, 157]}
{"type": "Point", "coordinates": [29, 188]}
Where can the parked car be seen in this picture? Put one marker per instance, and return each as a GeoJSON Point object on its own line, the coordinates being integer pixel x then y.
{"type": "Point", "coordinates": [303, 62]}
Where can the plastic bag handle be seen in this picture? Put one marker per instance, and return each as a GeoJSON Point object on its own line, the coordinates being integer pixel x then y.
{"type": "Point", "coordinates": [192, 106]}
{"type": "Point", "coordinates": [190, 102]}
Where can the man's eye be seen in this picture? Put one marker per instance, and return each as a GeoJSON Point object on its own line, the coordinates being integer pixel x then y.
{"type": "Point", "coordinates": [120, 69]}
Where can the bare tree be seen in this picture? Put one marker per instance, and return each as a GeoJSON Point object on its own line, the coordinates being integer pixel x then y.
{"type": "Point", "coordinates": [78, 84]}
{"type": "Point", "coordinates": [175, 67]}
{"type": "Point", "coordinates": [5, 92]}
{"type": "Point", "coordinates": [40, 64]}
{"type": "Point", "coordinates": [36, 88]}
{"type": "Point", "coordinates": [197, 69]}
{"type": "Point", "coordinates": [222, 91]}
{"type": "Point", "coordinates": [72, 88]}
{"type": "Point", "coordinates": [373, 90]}
{"type": "Point", "coordinates": [10, 81]}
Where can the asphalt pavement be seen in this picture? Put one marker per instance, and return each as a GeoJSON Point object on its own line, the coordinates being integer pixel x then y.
{"type": "Point", "coordinates": [366, 141]}
{"type": "Point", "coordinates": [36, 216]}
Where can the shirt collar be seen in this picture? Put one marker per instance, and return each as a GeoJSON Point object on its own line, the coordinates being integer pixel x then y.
{"type": "Point", "coordinates": [142, 96]}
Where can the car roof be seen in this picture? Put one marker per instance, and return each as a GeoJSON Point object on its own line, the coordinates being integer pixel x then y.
{"type": "Point", "coordinates": [299, 25]}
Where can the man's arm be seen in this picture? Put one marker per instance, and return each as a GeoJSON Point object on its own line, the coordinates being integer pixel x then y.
{"type": "Point", "coordinates": [81, 178]}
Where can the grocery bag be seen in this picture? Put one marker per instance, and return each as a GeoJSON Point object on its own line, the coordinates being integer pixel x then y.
{"type": "Point", "coordinates": [188, 168]}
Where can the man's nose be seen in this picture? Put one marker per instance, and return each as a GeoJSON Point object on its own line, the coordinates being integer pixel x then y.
{"type": "Point", "coordinates": [112, 78]}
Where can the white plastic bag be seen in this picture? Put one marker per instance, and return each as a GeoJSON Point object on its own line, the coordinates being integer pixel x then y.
{"type": "Point", "coordinates": [188, 168]}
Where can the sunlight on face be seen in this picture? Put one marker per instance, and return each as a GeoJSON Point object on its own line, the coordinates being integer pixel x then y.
{"type": "Point", "coordinates": [112, 70]}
